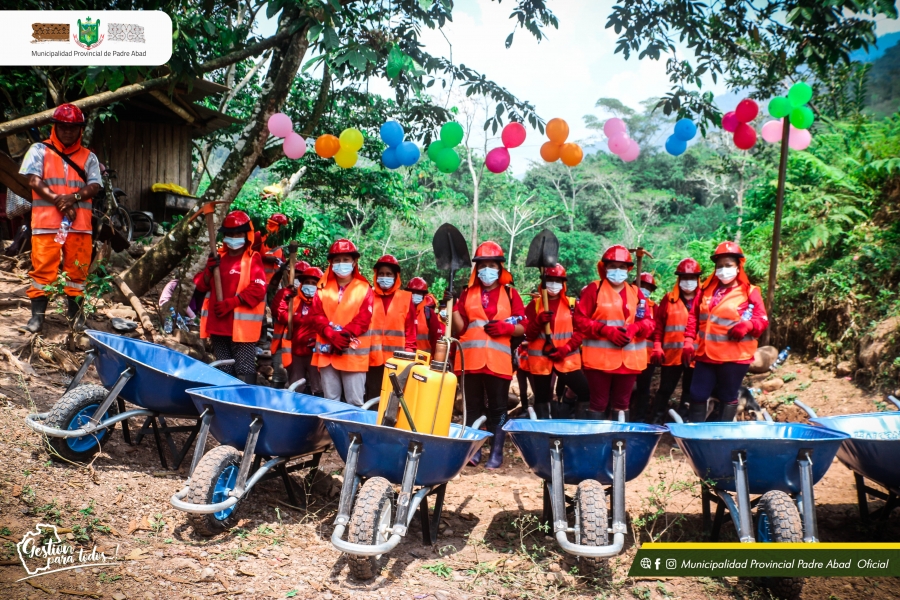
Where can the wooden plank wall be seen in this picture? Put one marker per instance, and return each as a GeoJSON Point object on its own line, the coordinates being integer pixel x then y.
{"type": "Point", "coordinates": [144, 154]}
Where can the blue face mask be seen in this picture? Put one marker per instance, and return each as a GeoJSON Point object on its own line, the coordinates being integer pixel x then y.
{"type": "Point", "coordinates": [385, 283]}
{"type": "Point", "coordinates": [342, 269]}
{"type": "Point", "coordinates": [234, 243]}
{"type": "Point", "coordinates": [308, 290]}
{"type": "Point", "coordinates": [616, 276]}
{"type": "Point", "coordinates": [488, 275]}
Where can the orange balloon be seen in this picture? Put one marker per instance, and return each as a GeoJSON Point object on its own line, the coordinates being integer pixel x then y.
{"type": "Point", "coordinates": [557, 130]}
{"type": "Point", "coordinates": [327, 145]}
{"type": "Point", "coordinates": [570, 154]}
{"type": "Point", "coordinates": [550, 151]}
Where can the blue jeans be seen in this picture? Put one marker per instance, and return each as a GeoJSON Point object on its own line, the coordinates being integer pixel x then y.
{"type": "Point", "coordinates": [717, 381]}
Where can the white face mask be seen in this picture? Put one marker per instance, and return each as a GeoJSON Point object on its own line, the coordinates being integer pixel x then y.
{"type": "Point", "coordinates": [234, 243]}
{"type": "Point", "coordinates": [687, 285]}
{"type": "Point", "coordinates": [342, 269]}
{"type": "Point", "coordinates": [385, 283]}
{"type": "Point", "coordinates": [488, 275]}
{"type": "Point", "coordinates": [554, 288]}
{"type": "Point", "coordinates": [646, 292]}
{"type": "Point", "coordinates": [417, 299]}
{"type": "Point", "coordinates": [726, 274]}
{"type": "Point", "coordinates": [617, 276]}
{"type": "Point", "coordinates": [308, 290]}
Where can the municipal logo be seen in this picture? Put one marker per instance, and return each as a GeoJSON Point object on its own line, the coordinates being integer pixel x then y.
{"type": "Point", "coordinates": [88, 36]}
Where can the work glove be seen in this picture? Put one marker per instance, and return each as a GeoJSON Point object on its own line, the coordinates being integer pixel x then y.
{"type": "Point", "coordinates": [340, 340]}
{"type": "Point", "coordinates": [544, 317]}
{"type": "Point", "coordinates": [687, 352]}
{"type": "Point", "coordinates": [557, 354]}
{"type": "Point", "coordinates": [212, 262]}
{"type": "Point", "coordinates": [633, 329]}
{"type": "Point", "coordinates": [226, 306]}
{"type": "Point", "coordinates": [740, 330]}
{"type": "Point", "coordinates": [616, 335]}
{"type": "Point", "coordinates": [446, 297]}
{"type": "Point", "coordinates": [499, 328]}
{"type": "Point", "coordinates": [657, 356]}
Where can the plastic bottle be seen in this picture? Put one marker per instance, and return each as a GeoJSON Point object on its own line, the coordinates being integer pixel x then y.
{"type": "Point", "coordinates": [395, 365]}
{"type": "Point", "coordinates": [782, 356]}
{"type": "Point", "coordinates": [747, 314]}
{"type": "Point", "coordinates": [168, 324]}
{"type": "Point", "coordinates": [181, 322]}
{"type": "Point", "coordinates": [641, 309]}
{"type": "Point", "coordinates": [63, 232]}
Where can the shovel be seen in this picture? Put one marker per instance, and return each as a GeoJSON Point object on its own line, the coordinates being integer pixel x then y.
{"type": "Point", "coordinates": [640, 253]}
{"type": "Point", "coordinates": [208, 211]}
{"type": "Point", "coordinates": [450, 254]}
{"type": "Point", "coordinates": [543, 253]}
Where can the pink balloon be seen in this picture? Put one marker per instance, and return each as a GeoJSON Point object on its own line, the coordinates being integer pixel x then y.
{"type": "Point", "coordinates": [618, 143]}
{"type": "Point", "coordinates": [614, 127]}
{"type": "Point", "coordinates": [280, 125]}
{"type": "Point", "coordinates": [497, 160]}
{"type": "Point", "coordinates": [294, 146]}
{"type": "Point", "coordinates": [513, 135]}
{"type": "Point", "coordinates": [631, 152]}
{"type": "Point", "coordinates": [771, 131]}
{"type": "Point", "coordinates": [730, 121]}
{"type": "Point", "coordinates": [800, 139]}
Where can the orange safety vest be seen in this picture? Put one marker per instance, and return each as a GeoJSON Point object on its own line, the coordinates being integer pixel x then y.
{"type": "Point", "coordinates": [673, 334]}
{"type": "Point", "coordinates": [561, 329]}
{"type": "Point", "coordinates": [282, 344]}
{"type": "Point", "coordinates": [522, 353]}
{"type": "Point", "coordinates": [247, 323]}
{"type": "Point", "coordinates": [423, 341]}
{"type": "Point", "coordinates": [713, 326]}
{"type": "Point", "coordinates": [479, 349]}
{"type": "Point", "coordinates": [387, 333]}
{"type": "Point", "coordinates": [354, 360]}
{"type": "Point", "coordinates": [61, 179]}
{"type": "Point", "coordinates": [271, 268]}
{"type": "Point", "coordinates": [602, 354]}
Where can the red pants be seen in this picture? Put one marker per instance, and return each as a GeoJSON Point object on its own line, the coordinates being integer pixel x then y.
{"type": "Point", "coordinates": [45, 260]}
{"type": "Point", "coordinates": [609, 388]}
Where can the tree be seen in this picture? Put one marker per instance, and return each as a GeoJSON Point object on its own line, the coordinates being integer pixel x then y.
{"type": "Point", "coordinates": [568, 183]}
{"type": "Point", "coordinates": [521, 220]}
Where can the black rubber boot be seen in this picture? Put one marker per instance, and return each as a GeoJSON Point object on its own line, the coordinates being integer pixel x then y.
{"type": "Point", "coordinates": [563, 410]}
{"type": "Point", "coordinates": [249, 379]}
{"type": "Point", "coordinates": [582, 410]}
{"type": "Point", "coordinates": [542, 410]}
{"type": "Point", "coordinates": [496, 459]}
{"type": "Point", "coordinates": [596, 415]}
{"type": "Point", "coordinates": [728, 412]}
{"type": "Point", "coordinates": [476, 458]}
{"type": "Point", "coordinates": [74, 314]}
{"type": "Point", "coordinates": [38, 308]}
{"type": "Point", "coordinates": [697, 413]}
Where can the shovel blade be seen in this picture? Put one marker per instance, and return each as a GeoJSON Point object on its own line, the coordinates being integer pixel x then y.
{"type": "Point", "coordinates": [450, 250]}
{"type": "Point", "coordinates": [543, 251]}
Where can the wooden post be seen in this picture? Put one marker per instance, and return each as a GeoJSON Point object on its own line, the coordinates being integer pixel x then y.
{"type": "Point", "coordinates": [776, 229]}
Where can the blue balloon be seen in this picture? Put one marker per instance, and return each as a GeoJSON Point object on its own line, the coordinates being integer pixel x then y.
{"type": "Point", "coordinates": [392, 133]}
{"type": "Point", "coordinates": [407, 154]}
{"type": "Point", "coordinates": [390, 160]}
{"type": "Point", "coordinates": [675, 146]}
{"type": "Point", "coordinates": [685, 129]}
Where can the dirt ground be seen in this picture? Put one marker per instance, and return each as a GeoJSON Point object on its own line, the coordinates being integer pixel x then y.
{"type": "Point", "coordinates": [490, 546]}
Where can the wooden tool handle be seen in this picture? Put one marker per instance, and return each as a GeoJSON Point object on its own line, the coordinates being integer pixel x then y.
{"type": "Point", "coordinates": [292, 268]}
{"type": "Point", "coordinates": [546, 306]}
{"type": "Point", "coordinates": [211, 230]}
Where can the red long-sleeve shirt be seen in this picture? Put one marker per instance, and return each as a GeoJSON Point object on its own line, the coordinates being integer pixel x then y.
{"type": "Point", "coordinates": [304, 337]}
{"type": "Point", "coordinates": [356, 327]}
{"type": "Point", "coordinates": [489, 303]}
{"type": "Point", "coordinates": [410, 328]}
{"type": "Point", "coordinates": [759, 320]}
{"type": "Point", "coordinates": [253, 294]}
{"type": "Point", "coordinates": [535, 330]}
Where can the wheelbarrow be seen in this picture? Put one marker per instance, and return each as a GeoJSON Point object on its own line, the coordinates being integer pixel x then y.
{"type": "Point", "coordinates": [778, 462]}
{"type": "Point", "coordinates": [598, 457]}
{"type": "Point", "coordinates": [379, 457]}
{"type": "Point", "coordinates": [275, 426]}
{"type": "Point", "coordinates": [872, 452]}
{"type": "Point", "coordinates": [152, 377]}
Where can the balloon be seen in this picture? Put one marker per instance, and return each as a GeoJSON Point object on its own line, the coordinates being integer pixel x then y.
{"type": "Point", "coordinates": [557, 130]}
{"type": "Point", "coordinates": [407, 153]}
{"type": "Point", "coordinates": [779, 107]}
{"type": "Point", "coordinates": [746, 110]}
{"type": "Point", "coordinates": [631, 152]}
{"type": "Point", "coordinates": [730, 121]}
{"type": "Point", "coordinates": [280, 125]}
{"type": "Point", "coordinates": [392, 133]}
{"type": "Point", "coordinates": [675, 145]}
{"type": "Point", "coordinates": [351, 139]}
{"type": "Point", "coordinates": [744, 136]}
{"type": "Point", "coordinates": [618, 143]}
{"type": "Point", "coordinates": [772, 131]}
{"type": "Point", "coordinates": [389, 158]}
{"type": "Point", "coordinates": [294, 146]}
{"type": "Point", "coordinates": [802, 117]}
{"type": "Point", "coordinates": [327, 145]}
{"type": "Point", "coordinates": [685, 130]}
{"type": "Point", "coordinates": [800, 139]}
{"type": "Point", "coordinates": [447, 160]}
{"type": "Point", "coordinates": [513, 135]}
{"type": "Point", "coordinates": [452, 134]}
{"type": "Point", "coordinates": [799, 94]}
{"type": "Point", "coordinates": [346, 158]}
{"type": "Point", "coordinates": [435, 148]}
{"type": "Point", "coordinates": [571, 154]}
{"type": "Point", "coordinates": [614, 127]}
{"type": "Point", "coordinates": [497, 160]}
{"type": "Point", "coordinates": [550, 151]}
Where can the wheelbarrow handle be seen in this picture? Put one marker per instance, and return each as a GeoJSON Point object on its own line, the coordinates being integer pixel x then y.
{"type": "Point", "coordinates": [370, 403]}
{"type": "Point", "coordinates": [767, 416]}
{"type": "Point", "coordinates": [299, 383]}
{"type": "Point", "coordinates": [893, 400]}
{"type": "Point", "coordinates": [675, 416]}
{"type": "Point", "coordinates": [808, 410]}
{"type": "Point", "coordinates": [220, 363]}
{"type": "Point", "coordinates": [532, 416]}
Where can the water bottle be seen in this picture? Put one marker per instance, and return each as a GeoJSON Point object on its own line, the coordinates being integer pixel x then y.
{"type": "Point", "coordinates": [641, 309]}
{"type": "Point", "coordinates": [782, 356]}
{"type": "Point", "coordinates": [63, 232]}
{"type": "Point", "coordinates": [181, 322]}
{"type": "Point", "coordinates": [514, 320]}
{"type": "Point", "coordinates": [747, 314]}
{"type": "Point", "coordinates": [169, 323]}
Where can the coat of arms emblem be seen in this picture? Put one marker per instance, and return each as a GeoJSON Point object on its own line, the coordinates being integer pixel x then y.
{"type": "Point", "coordinates": [88, 35]}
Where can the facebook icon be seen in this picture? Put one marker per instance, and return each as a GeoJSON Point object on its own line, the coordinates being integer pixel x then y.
{"type": "Point", "coordinates": [656, 564]}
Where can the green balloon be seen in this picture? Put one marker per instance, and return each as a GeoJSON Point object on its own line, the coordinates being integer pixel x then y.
{"type": "Point", "coordinates": [799, 94]}
{"type": "Point", "coordinates": [779, 107]}
{"type": "Point", "coordinates": [802, 117]}
{"type": "Point", "coordinates": [448, 160]}
{"type": "Point", "coordinates": [434, 149]}
{"type": "Point", "coordinates": [452, 134]}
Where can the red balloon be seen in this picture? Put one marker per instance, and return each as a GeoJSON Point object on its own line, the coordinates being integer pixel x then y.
{"type": "Point", "coordinates": [746, 110]}
{"type": "Point", "coordinates": [513, 135]}
{"type": "Point", "coordinates": [730, 121]}
{"type": "Point", "coordinates": [744, 137]}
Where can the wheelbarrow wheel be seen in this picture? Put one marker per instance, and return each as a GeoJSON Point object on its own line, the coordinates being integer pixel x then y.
{"type": "Point", "coordinates": [369, 522]}
{"type": "Point", "coordinates": [778, 520]}
{"type": "Point", "coordinates": [73, 411]}
{"type": "Point", "coordinates": [591, 522]}
{"type": "Point", "coordinates": [214, 477]}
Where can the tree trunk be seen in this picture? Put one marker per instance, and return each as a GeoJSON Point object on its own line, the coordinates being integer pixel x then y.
{"type": "Point", "coordinates": [286, 60]}
{"type": "Point", "coordinates": [475, 186]}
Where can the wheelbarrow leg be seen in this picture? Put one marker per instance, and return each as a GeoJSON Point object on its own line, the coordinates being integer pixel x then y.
{"type": "Point", "coordinates": [413, 454]}
{"type": "Point", "coordinates": [547, 512]}
{"type": "Point", "coordinates": [557, 487]}
{"type": "Point", "coordinates": [248, 457]}
{"type": "Point", "coordinates": [126, 432]}
{"type": "Point", "coordinates": [862, 497]}
{"type": "Point", "coordinates": [430, 527]}
{"type": "Point", "coordinates": [717, 523]}
{"type": "Point", "coordinates": [113, 394]}
{"type": "Point", "coordinates": [167, 431]}
{"type": "Point", "coordinates": [704, 503]}
{"type": "Point", "coordinates": [351, 481]}
{"type": "Point", "coordinates": [288, 484]}
{"type": "Point", "coordinates": [807, 497]}
{"type": "Point", "coordinates": [200, 448]}
{"type": "Point", "coordinates": [145, 427]}
{"type": "Point", "coordinates": [89, 357]}
{"type": "Point", "coordinates": [742, 486]}
{"type": "Point", "coordinates": [618, 455]}
{"type": "Point", "coordinates": [159, 445]}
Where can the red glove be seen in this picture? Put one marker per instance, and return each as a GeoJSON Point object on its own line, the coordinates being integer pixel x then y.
{"type": "Point", "coordinates": [226, 306]}
{"type": "Point", "coordinates": [618, 337]}
{"type": "Point", "coordinates": [634, 329]}
{"type": "Point", "coordinates": [499, 328]}
{"type": "Point", "coordinates": [657, 356]}
{"type": "Point", "coordinates": [740, 330]}
{"type": "Point", "coordinates": [340, 340]}
{"type": "Point", "coordinates": [544, 317]}
{"type": "Point", "coordinates": [212, 262]}
{"type": "Point", "coordinates": [687, 352]}
{"type": "Point", "coordinates": [558, 354]}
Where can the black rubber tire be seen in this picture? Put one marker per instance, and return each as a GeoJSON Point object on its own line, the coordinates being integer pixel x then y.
{"type": "Point", "coordinates": [65, 410]}
{"type": "Point", "coordinates": [374, 501]}
{"type": "Point", "coordinates": [202, 488]}
{"type": "Point", "coordinates": [120, 220]}
{"type": "Point", "coordinates": [785, 525]}
{"type": "Point", "coordinates": [591, 522]}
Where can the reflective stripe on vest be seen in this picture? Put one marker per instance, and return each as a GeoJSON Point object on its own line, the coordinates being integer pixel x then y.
{"type": "Point", "coordinates": [712, 327]}
{"type": "Point", "coordinates": [603, 355]}
{"type": "Point", "coordinates": [270, 268]}
{"type": "Point", "coordinates": [673, 333]}
{"type": "Point", "coordinates": [61, 179]}
{"type": "Point", "coordinates": [478, 348]}
{"type": "Point", "coordinates": [355, 360]}
{"type": "Point", "coordinates": [281, 339]}
{"type": "Point", "coordinates": [561, 332]}
{"type": "Point", "coordinates": [388, 331]}
{"type": "Point", "coordinates": [247, 322]}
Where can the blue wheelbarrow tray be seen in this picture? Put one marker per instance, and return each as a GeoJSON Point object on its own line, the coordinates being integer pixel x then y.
{"type": "Point", "coordinates": [873, 448]}
{"type": "Point", "coordinates": [770, 452]}
{"type": "Point", "coordinates": [587, 447]}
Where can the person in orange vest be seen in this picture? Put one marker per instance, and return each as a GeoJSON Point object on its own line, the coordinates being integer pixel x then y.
{"type": "Point", "coordinates": [273, 258]}
{"type": "Point", "coordinates": [233, 324]}
{"type": "Point", "coordinates": [341, 315]}
{"type": "Point", "coordinates": [393, 325]}
{"type": "Point", "coordinates": [640, 397]}
{"type": "Point", "coordinates": [559, 355]}
{"type": "Point", "coordinates": [613, 317]}
{"type": "Point", "coordinates": [428, 324]}
{"type": "Point", "coordinates": [297, 352]}
{"type": "Point", "coordinates": [726, 320]}
{"type": "Point", "coordinates": [63, 176]}
{"type": "Point", "coordinates": [485, 318]}
{"type": "Point", "coordinates": [668, 339]}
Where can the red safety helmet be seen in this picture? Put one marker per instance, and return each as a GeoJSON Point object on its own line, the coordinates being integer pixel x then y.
{"type": "Point", "coordinates": [343, 246]}
{"type": "Point", "coordinates": [301, 266]}
{"type": "Point", "coordinates": [648, 279]}
{"type": "Point", "coordinates": [314, 272]}
{"type": "Point", "coordinates": [727, 249]}
{"type": "Point", "coordinates": [237, 221]}
{"type": "Point", "coordinates": [617, 253]}
{"type": "Point", "coordinates": [558, 271]}
{"type": "Point", "coordinates": [417, 284]}
{"type": "Point", "coordinates": [68, 113]}
{"type": "Point", "coordinates": [387, 261]}
{"type": "Point", "coordinates": [688, 266]}
{"type": "Point", "coordinates": [279, 218]}
{"type": "Point", "coordinates": [489, 251]}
